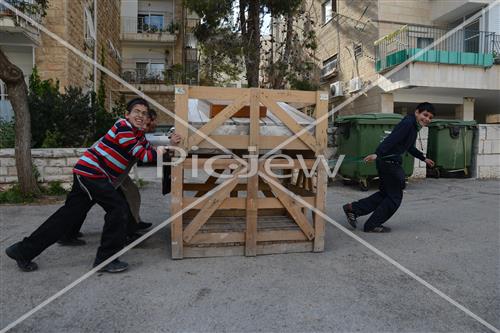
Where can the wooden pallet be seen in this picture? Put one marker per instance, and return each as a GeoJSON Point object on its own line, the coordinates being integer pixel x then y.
{"type": "Point", "coordinates": [257, 214]}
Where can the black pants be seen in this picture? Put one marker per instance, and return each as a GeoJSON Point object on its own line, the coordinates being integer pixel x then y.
{"type": "Point", "coordinates": [77, 224]}
{"type": "Point", "coordinates": [387, 200]}
{"type": "Point", "coordinates": [84, 194]}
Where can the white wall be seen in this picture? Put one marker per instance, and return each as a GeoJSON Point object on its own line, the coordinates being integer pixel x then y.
{"type": "Point", "coordinates": [129, 8]}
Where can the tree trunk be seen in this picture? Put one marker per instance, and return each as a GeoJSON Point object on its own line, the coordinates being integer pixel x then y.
{"type": "Point", "coordinates": [250, 29]}
{"type": "Point", "coordinates": [18, 97]}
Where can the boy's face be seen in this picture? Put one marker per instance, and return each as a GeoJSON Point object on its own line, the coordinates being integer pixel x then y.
{"type": "Point", "coordinates": [150, 124]}
{"type": "Point", "coordinates": [424, 118]}
{"type": "Point", "coordinates": [137, 116]}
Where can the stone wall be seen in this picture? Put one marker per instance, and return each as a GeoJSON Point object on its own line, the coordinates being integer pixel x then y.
{"type": "Point", "coordinates": [487, 152]}
{"type": "Point", "coordinates": [54, 164]}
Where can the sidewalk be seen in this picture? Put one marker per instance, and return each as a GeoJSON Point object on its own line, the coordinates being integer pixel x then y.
{"type": "Point", "coordinates": [447, 232]}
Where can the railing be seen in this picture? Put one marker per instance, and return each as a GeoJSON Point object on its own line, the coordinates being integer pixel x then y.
{"type": "Point", "coordinates": [140, 24]}
{"type": "Point", "coordinates": [172, 75]}
{"type": "Point", "coordinates": [4, 11]}
{"type": "Point", "coordinates": [458, 48]}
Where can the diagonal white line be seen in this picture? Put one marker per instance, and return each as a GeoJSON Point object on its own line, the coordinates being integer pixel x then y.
{"type": "Point", "coordinates": [114, 256]}
{"type": "Point", "coordinates": [381, 79]}
{"type": "Point", "coordinates": [120, 80]}
{"type": "Point", "coordinates": [381, 254]}
{"type": "Point", "coordinates": [166, 222]}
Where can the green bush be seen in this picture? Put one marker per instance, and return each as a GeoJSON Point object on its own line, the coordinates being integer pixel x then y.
{"type": "Point", "coordinates": [54, 188]}
{"type": "Point", "coordinates": [69, 119]}
{"type": "Point", "coordinates": [7, 134]}
{"type": "Point", "coordinates": [14, 195]}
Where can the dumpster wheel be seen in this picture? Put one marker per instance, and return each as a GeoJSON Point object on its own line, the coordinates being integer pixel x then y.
{"type": "Point", "coordinates": [363, 184]}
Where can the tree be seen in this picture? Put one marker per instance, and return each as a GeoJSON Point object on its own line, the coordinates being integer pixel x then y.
{"type": "Point", "coordinates": [13, 78]}
{"type": "Point", "coordinates": [232, 29]}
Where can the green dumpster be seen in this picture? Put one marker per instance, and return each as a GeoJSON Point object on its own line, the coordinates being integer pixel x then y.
{"type": "Point", "coordinates": [450, 146]}
{"type": "Point", "coordinates": [359, 136]}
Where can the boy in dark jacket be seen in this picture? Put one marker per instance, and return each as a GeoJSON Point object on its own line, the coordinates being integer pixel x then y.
{"type": "Point", "coordinates": [94, 174]}
{"type": "Point", "coordinates": [388, 158]}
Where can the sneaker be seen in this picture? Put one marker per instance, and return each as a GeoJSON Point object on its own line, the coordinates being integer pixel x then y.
{"type": "Point", "coordinates": [144, 225]}
{"type": "Point", "coordinates": [79, 234]}
{"type": "Point", "coordinates": [380, 229]}
{"type": "Point", "coordinates": [351, 216]}
{"type": "Point", "coordinates": [116, 266]}
{"type": "Point", "coordinates": [25, 265]}
{"type": "Point", "coordinates": [71, 242]}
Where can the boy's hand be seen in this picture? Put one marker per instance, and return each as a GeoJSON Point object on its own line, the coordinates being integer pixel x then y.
{"type": "Point", "coordinates": [370, 158]}
{"type": "Point", "coordinates": [429, 162]}
{"type": "Point", "coordinates": [175, 139]}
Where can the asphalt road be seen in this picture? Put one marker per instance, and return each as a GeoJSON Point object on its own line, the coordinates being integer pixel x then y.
{"type": "Point", "coordinates": [446, 231]}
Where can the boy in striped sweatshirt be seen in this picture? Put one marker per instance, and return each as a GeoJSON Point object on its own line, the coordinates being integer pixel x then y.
{"type": "Point", "coordinates": [93, 177]}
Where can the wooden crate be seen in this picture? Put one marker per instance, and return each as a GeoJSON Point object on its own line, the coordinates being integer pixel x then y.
{"type": "Point", "coordinates": [252, 215]}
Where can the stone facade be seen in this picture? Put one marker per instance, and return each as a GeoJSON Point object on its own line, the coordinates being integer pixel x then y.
{"type": "Point", "coordinates": [67, 19]}
{"type": "Point", "coordinates": [487, 147]}
{"type": "Point", "coordinates": [54, 164]}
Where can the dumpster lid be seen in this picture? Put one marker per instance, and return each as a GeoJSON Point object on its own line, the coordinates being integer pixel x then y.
{"type": "Point", "coordinates": [371, 118]}
{"type": "Point", "coordinates": [451, 122]}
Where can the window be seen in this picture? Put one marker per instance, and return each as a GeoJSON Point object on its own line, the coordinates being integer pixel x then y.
{"type": "Point", "coordinates": [89, 31]}
{"type": "Point", "coordinates": [149, 70]}
{"type": "Point", "coordinates": [329, 67]}
{"type": "Point", "coordinates": [3, 91]}
{"type": "Point", "coordinates": [358, 51]}
{"type": "Point", "coordinates": [423, 42]}
{"type": "Point", "coordinates": [471, 37]}
{"type": "Point", "coordinates": [327, 11]}
{"type": "Point", "coordinates": [150, 23]}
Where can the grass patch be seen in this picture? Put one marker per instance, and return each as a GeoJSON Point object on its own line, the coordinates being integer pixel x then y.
{"type": "Point", "coordinates": [14, 195]}
{"type": "Point", "coordinates": [140, 182]}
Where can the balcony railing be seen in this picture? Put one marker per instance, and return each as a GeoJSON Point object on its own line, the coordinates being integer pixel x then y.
{"type": "Point", "coordinates": [142, 24]}
{"type": "Point", "coordinates": [464, 47]}
{"type": "Point", "coordinates": [188, 75]}
{"type": "Point", "coordinates": [19, 21]}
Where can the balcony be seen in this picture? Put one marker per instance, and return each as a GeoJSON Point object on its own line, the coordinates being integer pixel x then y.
{"type": "Point", "coordinates": [464, 47]}
{"type": "Point", "coordinates": [16, 30]}
{"type": "Point", "coordinates": [158, 28]}
{"type": "Point", "coordinates": [176, 74]}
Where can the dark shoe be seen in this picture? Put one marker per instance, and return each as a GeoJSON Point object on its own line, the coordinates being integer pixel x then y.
{"type": "Point", "coordinates": [131, 238]}
{"type": "Point", "coordinates": [380, 229]}
{"type": "Point", "coordinates": [144, 225]}
{"type": "Point", "coordinates": [25, 265]}
{"type": "Point", "coordinates": [79, 234]}
{"type": "Point", "coordinates": [351, 216]}
{"type": "Point", "coordinates": [71, 242]}
{"type": "Point", "coordinates": [116, 266]}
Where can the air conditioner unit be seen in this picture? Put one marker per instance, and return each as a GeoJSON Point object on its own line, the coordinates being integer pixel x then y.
{"type": "Point", "coordinates": [336, 89]}
{"type": "Point", "coordinates": [355, 84]}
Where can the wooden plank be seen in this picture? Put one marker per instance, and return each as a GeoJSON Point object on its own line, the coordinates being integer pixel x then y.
{"type": "Point", "coordinates": [218, 120]}
{"type": "Point", "coordinates": [211, 93]}
{"type": "Point", "coordinates": [177, 175]}
{"type": "Point", "coordinates": [208, 187]}
{"type": "Point", "coordinates": [241, 142]}
{"type": "Point", "coordinates": [291, 96]}
{"type": "Point", "coordinates": [292, 207]}
{"type": "Point", "coordinates": [289, 122]}
{"type": "Point", "coordinates": [262, 249]}
{"type": "Point", "coordinates": [211, 180]}
{"type": "Point", "coordinates": [217, 238]}
{"type": "Point", "coordinates": [239, 237]}
{"type": "Point", "coordinates": [210, 207]}
{"type": "Point", "coordinates": [253, 180]}
{"type": "Point", "coordinates": [321, 180]}
{"type": "Point", "coordinates": [240, 203]}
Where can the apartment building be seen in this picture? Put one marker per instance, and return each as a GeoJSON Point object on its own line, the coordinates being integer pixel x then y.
{"type": "Point", "coordinates": [18, 41]}
{"type": "Point", "coordinates": [361, 42]}
{"type": "Point", "coordinates": [85, 24]}
{"type": "Point", "coordinates": [158, 49]}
